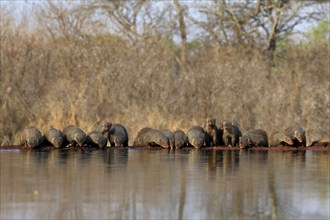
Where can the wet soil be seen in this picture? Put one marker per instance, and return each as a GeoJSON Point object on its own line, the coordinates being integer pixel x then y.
{"type": "Point", "coordinates": [324, 146]}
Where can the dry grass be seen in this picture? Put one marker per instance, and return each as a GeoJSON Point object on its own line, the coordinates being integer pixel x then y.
{"type": "Point", "coordinates": [49, 82]}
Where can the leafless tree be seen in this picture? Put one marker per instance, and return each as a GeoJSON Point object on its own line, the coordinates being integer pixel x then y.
{"type": "Point", "coordinates": [183, 32]}
{"type": "Point", "coordinates": [68, 20]}
{"type": "Point", "coordinates": [259, 23]}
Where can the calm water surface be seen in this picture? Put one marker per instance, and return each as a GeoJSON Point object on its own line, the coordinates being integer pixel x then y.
{"type": "Point", "coordinates": [162, 184]}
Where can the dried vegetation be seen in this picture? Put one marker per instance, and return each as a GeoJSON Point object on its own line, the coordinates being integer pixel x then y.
{"type": "Point", "coordinates": [53, 81]}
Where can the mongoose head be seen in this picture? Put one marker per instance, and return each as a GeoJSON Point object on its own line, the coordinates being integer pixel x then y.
{"type": "Point", "coordinates": [33, 137]}
{"type": "Point", "coordinates": [57, 141]}
{"type": "Point", "coordinates": [211, 120]}
{"type": "Point", "coordinates": [245, 142]}
{"type": "Point", "coordinates": [106, 127]}
{"type": "Point", "coordinates": [80, 138]}
{"type": "Point", "coordinates": [299, 136]}
{"type": "Point", "coordinates": [33, 141]}
{"type": "Point", "coordinates": [163, 142]}
{"type": "Point", "coordinates": [178, 143]}
{"type": "Point", "coordinates": [101, 141]}
{"type": "Point", "coordinates": [286, 139]}
{"type": "Point", "coordinates": [226, 124]}
{"type": "Point", "coordinates": [197, 142]}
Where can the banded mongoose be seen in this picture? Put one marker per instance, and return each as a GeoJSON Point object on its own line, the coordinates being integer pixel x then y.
{"type": "Point", "coordinates": [316, 136]}
{"type": "Point", "coordinates": [213, 132]}
{"type": "Point", "coordinates": [171, 138]}
{"type": "Point", "coordinates": [151, 137]}
{"type": "Point", "coordinates": [104, 128]}
{"type": "Point", "coordinates": [231, 133]}
{"type": "Point", "coordinates": [118, 136]}
{"type": "Point", "coordinates": [31, 137]}
{"type": "Point", "coordinates": [95, 139]}
{"type": "Point", "coordinates": [181, 139]}
{"type": "Point", "coordinates": [196, 137]}
{"type": "Point", "coordinates": [54, 137]}
{"type": "Point", "coordinates": [254, 138]}
{"type": "Point", "coordinates": [279, 138]}
{"type": "Point", "coordinates": [74, 135]}
{"type": "Point", "coordinates": [297, 134]}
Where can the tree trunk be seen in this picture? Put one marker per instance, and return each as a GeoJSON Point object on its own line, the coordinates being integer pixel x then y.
{"type": "Point", "coordinates": [183, 33]}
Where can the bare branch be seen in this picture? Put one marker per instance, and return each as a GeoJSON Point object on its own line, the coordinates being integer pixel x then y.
{"type": "Point", "coordinates": [183, 31]}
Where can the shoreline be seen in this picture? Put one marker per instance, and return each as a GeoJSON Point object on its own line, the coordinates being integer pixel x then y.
{"type": "Point", "coordinates": [317, 147]}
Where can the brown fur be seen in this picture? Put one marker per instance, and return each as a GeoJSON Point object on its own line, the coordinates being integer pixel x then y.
{"type": "Point", "coordinates": [170, 136]}
{"type": "Point", "coordinates": [55, 137]}
{"type": "Point", "coordinates": [297, 134]}
{"type": "Point", "coordinates": [151, 137]}
{"type": "Point", "coordinates": [279, 138]}
{"type": "Point", "coordinates": [213, 133]}
{"type": "Point", "coordinates": [231, 134]}
{"type": "Point", "coordinates": [74, 135]}
{"type": "Point", "coordinates": [31, 137]}
{"type": "Point", "coordinates": [181, 139]}
{"type": "Point", "coordinates": [95, 139]}
{"type": "Point", "coordinates": [196, 137]}
{"type": "Point", "coordinates": [254, 138]}
{"type": "Point", "coordinates": [118, 136]}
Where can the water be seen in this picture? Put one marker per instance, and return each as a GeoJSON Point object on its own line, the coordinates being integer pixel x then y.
{"type": "Point", "coordinates": [162, 184]}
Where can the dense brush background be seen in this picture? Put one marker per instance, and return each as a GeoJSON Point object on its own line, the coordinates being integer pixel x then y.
{"type": "Point", "coordinates": [53, 80]}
